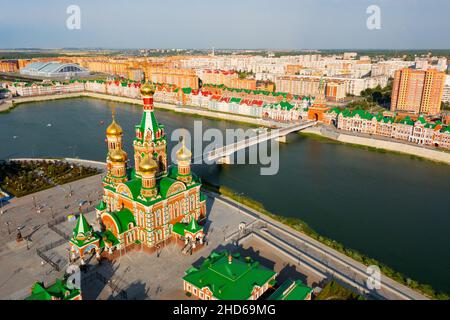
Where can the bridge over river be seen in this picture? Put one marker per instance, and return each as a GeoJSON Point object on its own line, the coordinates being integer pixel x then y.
{"type": "Point", "coordinates": [223, 154]}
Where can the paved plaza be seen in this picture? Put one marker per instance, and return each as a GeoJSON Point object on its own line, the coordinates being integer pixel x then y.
{"type": "Point", "coordinates": [140, 275]}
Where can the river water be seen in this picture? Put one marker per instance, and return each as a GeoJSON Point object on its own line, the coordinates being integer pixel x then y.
{"type": "Point", "coordinates": [389, 207]}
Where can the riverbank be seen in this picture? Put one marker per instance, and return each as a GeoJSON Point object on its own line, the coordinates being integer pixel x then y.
{"type": "Point", "coordinates": [380, 144]}
{"type": "Point", "coordinates": [322, 131]}
{"type": "Point", "coordinates": [5, 106]}
{"type": "Point", "coordinates": [192, 111]}
{"type": "Point", "coordinates": [301, 227]}
{"type": "Point", "coordinates": [290, 228]}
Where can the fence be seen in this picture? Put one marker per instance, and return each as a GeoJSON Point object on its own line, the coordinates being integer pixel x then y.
{"type": "Point", "coordinates": [44, 257]}
{"type": "Point", "coordinates": [60, 233]}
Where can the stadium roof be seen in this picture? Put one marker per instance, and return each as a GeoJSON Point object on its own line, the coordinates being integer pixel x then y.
{"type": "Point", "coordinates": [52, 68]}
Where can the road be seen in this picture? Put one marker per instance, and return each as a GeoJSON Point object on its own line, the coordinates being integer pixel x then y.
{"type": "Point", "coordinates": [322, 257]}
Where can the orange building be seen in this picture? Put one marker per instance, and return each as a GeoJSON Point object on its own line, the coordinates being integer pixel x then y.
{"type": "Point", "coordinates": [418, 91]}
{"type": "Point", "coordinates": [335, 90]}
{"type": "Point", "coordinates": [293, 69]}
{"type": "Point", "coordinates": [317, 111]}
{"type": "Point", "coordinates": [227, 78]}
{"type": "Point", "coordinates": [182, 78]}
{"type": "Point", "coordinates": [110, 67]}
{"type": "Point", "coordinates": [9, 66]}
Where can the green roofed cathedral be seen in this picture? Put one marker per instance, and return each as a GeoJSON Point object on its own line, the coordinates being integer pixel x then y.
{"type": "Point", "coordinates": [226, 276]}
{"type": "Point", "coordinates": [149, 204]}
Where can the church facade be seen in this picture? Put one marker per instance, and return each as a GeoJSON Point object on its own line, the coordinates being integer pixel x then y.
{"type": "Point", "coordinates": [150, 203]}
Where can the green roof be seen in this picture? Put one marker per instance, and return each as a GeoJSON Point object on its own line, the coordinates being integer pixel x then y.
{"type": "Point", "coordinates": [181, 228]}
{"type": "Point", "coordinates": [108, 236]}
{"type": "Point", "coordinates": [58, 290]}
{"type": "Point", "coordinates": [101, 206]}
{"type": "Point", "coordinates": [123, 219]}
{"type": "Point", "coordinates": [135, 187]}
{"type": "Point", "coordinates": [229, 279]}
{"type": "Point", "coordinates": [422, 120]}
{"type": "Point", "coordinates": [335, 110]}
{"type": "Point", "coordinates": [291, 290]}
{"type": "Point", "coordinates": [407, 120]}
{"type": "Point", "coordinates": [82, 227]}
{"type": "Point", "coordinates": [149, 122]}
{"type": "Point", "coordinates": [164, 185]}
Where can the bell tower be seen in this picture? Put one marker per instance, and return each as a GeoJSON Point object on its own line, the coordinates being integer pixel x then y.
{"type": "Point", "coordinates": [150, 136]}
{"type": "Point", "coordinates": [148, 168]}
{"type": "Point", "coordinates": [184, 163]}
{"type": "Point", "coordinates": [116, 159]}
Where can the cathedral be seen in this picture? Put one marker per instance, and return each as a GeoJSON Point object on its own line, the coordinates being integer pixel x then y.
{"type": "Point", "coordinates": [150, 204]}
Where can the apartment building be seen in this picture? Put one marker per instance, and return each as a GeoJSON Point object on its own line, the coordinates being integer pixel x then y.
{"type": "Point", "coordinates": [418, 91]}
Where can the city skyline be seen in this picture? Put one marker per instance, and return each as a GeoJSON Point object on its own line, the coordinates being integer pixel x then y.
{"type": "Point", "coordinates": [197, 25]}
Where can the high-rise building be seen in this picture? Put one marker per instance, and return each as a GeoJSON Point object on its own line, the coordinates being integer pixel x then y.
{"type": "Point", "coordinates": [446, 94]}
{"type": "Point", "coordinates": [418, 91]}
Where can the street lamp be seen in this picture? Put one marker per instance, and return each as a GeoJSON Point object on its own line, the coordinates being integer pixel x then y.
{"type": "Point", "coordinates": [239, 201]}
{"type": "Point", "coordinates": [7, 224]}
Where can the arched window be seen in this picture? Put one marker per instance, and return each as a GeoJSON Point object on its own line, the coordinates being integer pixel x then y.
{"type": "Point", "coordinates": [177, 210]}
{"type": "Point", "coordinates": [158, 218]}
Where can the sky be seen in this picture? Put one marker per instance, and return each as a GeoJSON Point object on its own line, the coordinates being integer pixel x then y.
{"type": "Point", "coordinates": [248, 24]}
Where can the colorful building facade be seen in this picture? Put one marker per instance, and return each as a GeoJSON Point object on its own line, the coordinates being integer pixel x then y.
{"type": "Point", "coordinates": [418, 91]}
{"type": "Point", "coordinates": [418, 131]}
{"type": "Point", "coordinates": [149, 204]}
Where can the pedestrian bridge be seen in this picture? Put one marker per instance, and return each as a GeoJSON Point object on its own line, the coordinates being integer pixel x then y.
{"type": "Point", "coordinates": [222, 155]}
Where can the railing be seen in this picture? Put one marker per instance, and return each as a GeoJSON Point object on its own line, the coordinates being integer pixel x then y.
{"type": "Point", "coordinates": [257, 139]}
{"type": "Point", "coordinates": [44, 257]}
{"type": "Point", "coordinates": [59, 232]}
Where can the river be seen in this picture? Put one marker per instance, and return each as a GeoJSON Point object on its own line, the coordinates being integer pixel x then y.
{"type": "Point", "coordinates": [390, 207]}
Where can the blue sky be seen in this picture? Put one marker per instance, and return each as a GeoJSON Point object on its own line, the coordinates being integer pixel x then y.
{"type": "Point", "coordinates": [277, 24]}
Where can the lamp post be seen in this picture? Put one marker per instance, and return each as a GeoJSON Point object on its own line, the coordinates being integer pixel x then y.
{"type": "Point", "coordinates": [19, 235]}
{"type": "Point", "coordinates": [239, 201]}
{"type": "Point", "coordinates": [7, 225]}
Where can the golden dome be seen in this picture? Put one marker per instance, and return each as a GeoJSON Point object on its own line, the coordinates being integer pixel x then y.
{"type": "Point", "coordinates": [148, 165]}
{"type": "Point", "coordinates": [114, 129]}
{"type": "Point", "coordinates": [147, 90]}
{"type": "Point", "coordinates": [118, 155]}
{"type": "Point", "coordinates": [184, 154]}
